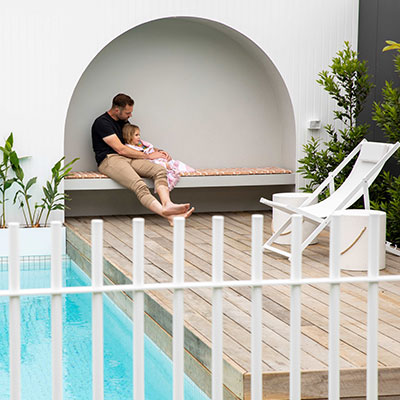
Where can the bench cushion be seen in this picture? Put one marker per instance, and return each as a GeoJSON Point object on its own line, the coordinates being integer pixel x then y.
{"type": "Point", "coordinates": [209, 177]}
{"type": "Point", "coordinates": [198, 172]}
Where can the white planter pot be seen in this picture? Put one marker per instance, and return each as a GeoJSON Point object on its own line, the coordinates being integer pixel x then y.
{"type": "Point", "coordinates": [32, 241]}
{"type": "Point", "coordinates": [354, 241]}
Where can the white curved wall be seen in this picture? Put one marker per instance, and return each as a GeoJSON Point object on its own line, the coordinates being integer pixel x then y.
{"type": "Point", "coordinates": [46, 46]}
{"type": "Point", "coordinates": [207, 98]}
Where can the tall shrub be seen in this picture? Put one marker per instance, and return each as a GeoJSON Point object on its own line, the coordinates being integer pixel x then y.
{"type": "Point", "coordinates": [387, 116]}
{"type": "Point", "coordinates": [347, 82]}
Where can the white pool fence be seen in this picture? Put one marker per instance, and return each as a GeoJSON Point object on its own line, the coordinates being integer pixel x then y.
{"type": "Point", "coordinates": [178, 285]}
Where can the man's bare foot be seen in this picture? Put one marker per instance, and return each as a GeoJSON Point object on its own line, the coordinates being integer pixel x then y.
{"type": "Point", "coordinates": [187, 214]}
{"type": "Point", "coordinates": [174, 209]}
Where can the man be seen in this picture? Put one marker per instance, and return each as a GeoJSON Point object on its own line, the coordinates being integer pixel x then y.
{"type": "Point", "coordinates": [128, 166]}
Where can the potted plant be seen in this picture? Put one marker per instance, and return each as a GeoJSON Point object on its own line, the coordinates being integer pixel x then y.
{"type": "Point", "coordinates": [33, 241]}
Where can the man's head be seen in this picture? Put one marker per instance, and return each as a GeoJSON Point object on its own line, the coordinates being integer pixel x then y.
{"type": "Point", "coordinates": [122, 106]}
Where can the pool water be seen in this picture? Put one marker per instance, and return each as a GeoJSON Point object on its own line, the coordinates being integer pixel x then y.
{"type": "Point", "coordinates": [77, 347]}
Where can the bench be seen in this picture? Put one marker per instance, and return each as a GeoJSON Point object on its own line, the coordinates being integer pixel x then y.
{"type": "Point", "coordinates": [210, 177]}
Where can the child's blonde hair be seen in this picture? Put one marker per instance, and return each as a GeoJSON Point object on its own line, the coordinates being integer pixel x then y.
{"type": "Point", "coordinates": [128, 131]}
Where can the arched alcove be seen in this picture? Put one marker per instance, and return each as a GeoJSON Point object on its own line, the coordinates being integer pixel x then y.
{"type": "Point", "coordinates": [202, 91]}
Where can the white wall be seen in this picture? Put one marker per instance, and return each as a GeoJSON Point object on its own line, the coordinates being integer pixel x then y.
{"type": "Point", "coordinates": [207, 98]}
{"type": "Point", "coordinates": [46, 47]}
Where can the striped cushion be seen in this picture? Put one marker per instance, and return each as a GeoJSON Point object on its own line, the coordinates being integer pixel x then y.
{"type": "Point", "coordinates": [198, 172]}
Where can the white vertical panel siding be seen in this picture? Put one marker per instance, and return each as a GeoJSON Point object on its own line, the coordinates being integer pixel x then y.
{"type": "Point", "coordinates": [46, 48]}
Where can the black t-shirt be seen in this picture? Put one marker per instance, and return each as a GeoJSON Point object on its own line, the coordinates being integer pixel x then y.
{"type": "Point", "coordinates": [102, 127]}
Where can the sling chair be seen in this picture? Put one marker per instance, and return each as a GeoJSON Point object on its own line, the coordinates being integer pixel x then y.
{"type": "Point", "coordinates": [372, 156]}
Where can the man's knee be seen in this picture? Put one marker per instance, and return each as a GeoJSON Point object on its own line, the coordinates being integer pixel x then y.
{"type": "Point", "coordinates": [160, 172]}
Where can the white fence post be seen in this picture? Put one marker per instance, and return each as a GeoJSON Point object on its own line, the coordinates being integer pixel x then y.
{"type": "Point", "coordinates": [178, 318]}
{"type": "Point", "coordinates": [334, 311]}
{"type": "Point", "coordinates": [373, 306]}
{"type": "Point", "coordinates": [256, 307]}
{"type": "Point", "coordinates": [97, 310]}
{"type": "Point", "coordinates": [138, 309]}
{"type": "Point", "coordinates": [14, 312]}
{"type": "Point", "coordinates": [295, 308]}
{"type": "Point", "coordinates": [56, 311]}
{"type": "Point", "coordinates": [217, 307]}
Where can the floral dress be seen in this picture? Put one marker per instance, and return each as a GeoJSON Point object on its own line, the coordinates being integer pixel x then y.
{"type": "Point", "coordinates": [173, 167]}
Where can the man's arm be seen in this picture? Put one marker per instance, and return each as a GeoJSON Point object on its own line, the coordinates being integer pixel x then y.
{"type": "Point", "coordinates": [166, 155]}
{"type": "Point", "coordinates": [114, 142]}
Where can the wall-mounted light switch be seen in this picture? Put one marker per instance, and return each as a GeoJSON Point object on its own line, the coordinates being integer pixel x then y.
{"type": "Point", "coordinates": [314, 124]}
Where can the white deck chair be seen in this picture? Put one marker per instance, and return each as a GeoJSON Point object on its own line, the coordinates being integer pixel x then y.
{"type": "Point", "coordinates": [369, 163]}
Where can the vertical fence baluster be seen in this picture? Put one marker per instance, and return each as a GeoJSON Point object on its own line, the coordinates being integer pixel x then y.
{"type": "Point", "coordinates": [97, 310]}
{"type": "Point", "coordinates": [295, 308]}
{"type": "Point", "coordinates": [14, 312]}
{"type": "Point", "coordinates": [56, 311]}
{"type": "Point", "coordinates": [217, 308]}
{"type": "Point", "coordinates": [138, 309]}
{"type": "Point", "coordinates": [178, 318]}
{"type": "Point", "coordinates": [256, 307]}
{"type": "Point", "coordinates": [334, 311]}
{"type": "Point", "coordinates": [373, 306]}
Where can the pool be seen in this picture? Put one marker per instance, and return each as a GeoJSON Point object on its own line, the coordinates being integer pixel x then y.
{"type": "Point", "coordinates": [77, 347]}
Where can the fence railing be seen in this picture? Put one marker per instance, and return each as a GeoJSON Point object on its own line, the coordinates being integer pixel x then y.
{"type": "Point", "coordinates": [178, 285]}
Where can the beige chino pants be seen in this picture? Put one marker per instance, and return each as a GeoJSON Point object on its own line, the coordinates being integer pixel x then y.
{"type": "Point", "coordinates": [129, 173]}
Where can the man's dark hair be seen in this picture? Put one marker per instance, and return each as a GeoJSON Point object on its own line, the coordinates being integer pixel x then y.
{"type": "Point", "coordinates": [122, 100]}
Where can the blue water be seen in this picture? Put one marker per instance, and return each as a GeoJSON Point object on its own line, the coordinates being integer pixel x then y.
{"type": "Point", "coordinates": [77, 347]}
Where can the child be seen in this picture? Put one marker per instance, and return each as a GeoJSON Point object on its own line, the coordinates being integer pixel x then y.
{"type": "Point", "coordinates": [132, 139]}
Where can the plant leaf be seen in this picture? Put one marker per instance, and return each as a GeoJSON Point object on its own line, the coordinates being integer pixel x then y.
{"type": "Point", "coordinates": [31, 182]}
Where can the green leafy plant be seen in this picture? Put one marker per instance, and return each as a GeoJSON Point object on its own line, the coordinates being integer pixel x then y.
{"type": "Point", "coordinates": [386, 114]}
{"type": "Point", "coordinates": [53, 199]}
{"type": "Point", "coordinates": [22, 195]}
{"type": "Point", "coordinates": [348, 84]}
{"type": "Point", "coordinates": [386, 197]}
{"type": "Point", "coordinates": [5, 182]}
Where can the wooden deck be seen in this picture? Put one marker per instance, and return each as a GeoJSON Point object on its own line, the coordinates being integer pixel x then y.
{"type": "Point", "coordinates": [276, 303]}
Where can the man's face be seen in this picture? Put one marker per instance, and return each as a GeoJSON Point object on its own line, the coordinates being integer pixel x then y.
{"type": "Point", "coordinates": [124, 113]}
